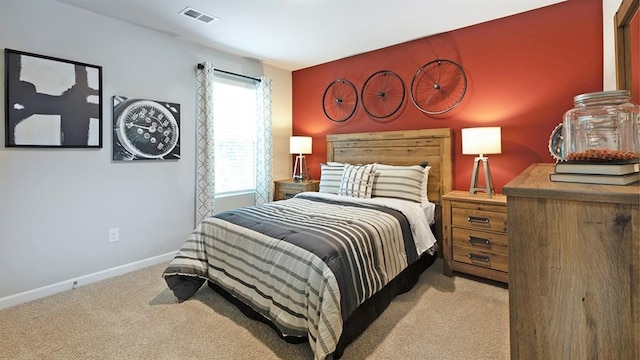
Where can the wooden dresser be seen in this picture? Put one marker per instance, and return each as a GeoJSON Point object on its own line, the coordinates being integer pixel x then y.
{"type": "Point", "coordinates": [574, 268]}
{"type": "Point", "coordinates": [286, 189]}
{"type": "Point", "coordinates": [475, 234]}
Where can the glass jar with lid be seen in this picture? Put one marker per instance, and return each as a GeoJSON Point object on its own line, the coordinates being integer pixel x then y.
{"type": "Point", "coordinates": [602, 127]}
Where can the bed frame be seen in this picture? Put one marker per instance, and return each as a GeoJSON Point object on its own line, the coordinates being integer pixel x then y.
{"type": "Point", "coordinates": [409, 147]}
{"type": "Point", "coordinates": [404, 147]}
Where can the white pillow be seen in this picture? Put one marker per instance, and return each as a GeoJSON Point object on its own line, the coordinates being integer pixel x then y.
{"type": "Point", "coordinates": [357, 181]}
{"type": "Point", "coordinates": [331, 177]}
{"type": "Point", "coordinates": [425, 181]}
{"type": "Point", "coordinates": [400, 182]}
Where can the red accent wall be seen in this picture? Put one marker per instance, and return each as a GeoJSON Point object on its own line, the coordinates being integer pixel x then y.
{"type": "Point", "coordinates": [523, 72]}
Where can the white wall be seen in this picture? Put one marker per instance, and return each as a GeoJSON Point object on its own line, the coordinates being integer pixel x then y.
{"type": "Point", "coordinates": [281, 118]}
{"type": "Point", "coordinates": [56, 205]}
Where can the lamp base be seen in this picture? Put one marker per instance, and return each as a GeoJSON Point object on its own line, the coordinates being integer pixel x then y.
{"type": "Point", "coordinates": [298, 169]}
{"type": "Point", "coordinates": [488, 181]}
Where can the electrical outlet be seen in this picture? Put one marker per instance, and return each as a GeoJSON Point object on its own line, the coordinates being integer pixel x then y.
{"type": "Point", "coordinates": [114, 235]}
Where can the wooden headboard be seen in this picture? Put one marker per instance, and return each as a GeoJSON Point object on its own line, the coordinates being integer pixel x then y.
{"type": "Point", "coordinates": [406, 147]}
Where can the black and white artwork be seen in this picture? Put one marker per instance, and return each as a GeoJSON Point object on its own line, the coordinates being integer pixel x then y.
{"type": "Point", "coordinates": [52, 102]}
{"type": "Point", "coordinates": [145, 129]}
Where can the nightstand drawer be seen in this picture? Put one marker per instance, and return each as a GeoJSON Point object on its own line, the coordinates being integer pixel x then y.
{"type": "Point", "coordinates": [480, 240]}
{"type": "Point", "coordinates": [479, 219]}
{"type": "Point", "coordinates": [480, 257]}
{"type": "Point", "coordinates": [286, 189]}
{"type": "Point", "coordinates": [288, 193]}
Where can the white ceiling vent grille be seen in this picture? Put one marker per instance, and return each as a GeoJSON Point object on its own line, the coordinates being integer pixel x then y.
{"type": "Point", "coordinates": [198, 15]}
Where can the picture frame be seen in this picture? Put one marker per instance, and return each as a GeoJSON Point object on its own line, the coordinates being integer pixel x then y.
{"type": "Point", "coordinates": [52, 102]}
{"type": "Point", "coordinates": [145, 129]}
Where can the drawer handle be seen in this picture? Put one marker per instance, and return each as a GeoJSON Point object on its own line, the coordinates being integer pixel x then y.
{"type": "Point", "coordinates": [289, 195]}
{"type": "Point", "coordinates": [478, 220]}
{"type": "Point", "coordinates": [479, 241]}
{"type": "Point", "coordinates": [482, 258]}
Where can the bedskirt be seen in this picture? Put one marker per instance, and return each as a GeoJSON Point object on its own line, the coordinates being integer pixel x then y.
{"type": "Point", "coordinates": [363, 316]}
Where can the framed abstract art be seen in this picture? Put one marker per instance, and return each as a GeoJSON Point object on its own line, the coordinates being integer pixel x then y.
{"type": "Point", "coordinates": [52, 102]}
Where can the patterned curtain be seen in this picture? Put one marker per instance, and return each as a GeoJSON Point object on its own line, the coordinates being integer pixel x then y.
{"type": "Point", "coordinates": [264, 148]}
{"type": "Point", "coordinates": [205, 159]}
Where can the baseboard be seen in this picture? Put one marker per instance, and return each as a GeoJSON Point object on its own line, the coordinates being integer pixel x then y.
{"type": "Point", "coordinates": [48, 290]}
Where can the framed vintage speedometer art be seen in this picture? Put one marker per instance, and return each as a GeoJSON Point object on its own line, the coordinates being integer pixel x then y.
{"type": "Point", "coordinates": [145, 129]}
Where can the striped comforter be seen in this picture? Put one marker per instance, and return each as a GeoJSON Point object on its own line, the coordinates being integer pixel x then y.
{"type": "Point", "coordinates": [305, 263]}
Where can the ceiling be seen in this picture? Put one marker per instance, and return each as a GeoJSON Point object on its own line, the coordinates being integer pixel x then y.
{"type": "Point", "coordinates": [295, 34]}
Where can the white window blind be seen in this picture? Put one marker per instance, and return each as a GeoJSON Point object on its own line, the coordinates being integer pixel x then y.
{"type": "Point", "coordinates": [234, 131]}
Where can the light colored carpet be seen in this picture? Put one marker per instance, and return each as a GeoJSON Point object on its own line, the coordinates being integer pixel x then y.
{"type": "Point", "coordinates": [135, 316]}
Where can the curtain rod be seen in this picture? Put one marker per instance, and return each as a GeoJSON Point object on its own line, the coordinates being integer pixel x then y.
{"type": "Point", "coordinates": [201, 66]}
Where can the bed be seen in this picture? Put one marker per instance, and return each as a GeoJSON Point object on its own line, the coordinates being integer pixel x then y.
{"type": "Point", "coordinates": [320, 267]}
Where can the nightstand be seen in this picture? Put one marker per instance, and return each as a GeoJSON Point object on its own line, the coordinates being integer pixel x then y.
{"type": "Point", "coordinates": [286, 189]}
{"type": "Point", "coordinates": [475, 235]}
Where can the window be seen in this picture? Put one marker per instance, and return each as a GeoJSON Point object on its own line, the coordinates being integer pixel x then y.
{"type": "Point", "coordinates": [234, 132]}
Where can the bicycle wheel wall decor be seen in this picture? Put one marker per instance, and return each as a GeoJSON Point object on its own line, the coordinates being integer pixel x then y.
{"type": "Point", "coordinates": [438, 86]}
{"type": "Point", "coordinates": [340, 100]}
{"type": "Point", "coordinates": [382, 94]}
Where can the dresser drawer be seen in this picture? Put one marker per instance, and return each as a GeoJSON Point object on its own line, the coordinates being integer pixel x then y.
{"type": "Point", "coordinates": [480, 257]}
{"type": "Point", "coordinates": [480, 240]}
{"type": "Point", "coordinates": [479, 219]}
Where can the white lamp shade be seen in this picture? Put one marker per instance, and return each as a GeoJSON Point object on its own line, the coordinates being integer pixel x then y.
{"type": "Point", "coordinates": [300, 145]}
{"type": "Point", "coordinates": [481, 140]}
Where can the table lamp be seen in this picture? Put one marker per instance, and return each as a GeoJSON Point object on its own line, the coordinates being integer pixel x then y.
{"type": "Point", "coordinates": [299, 145]}
{"type": "Point", "coordinates": [481, 141]}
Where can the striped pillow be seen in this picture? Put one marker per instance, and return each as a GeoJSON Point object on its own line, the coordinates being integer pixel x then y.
{"type": "Point", "coordinates": [357, 181]}
{"type": "Point", "coordinates": [401, 182]}
{"type": "Point", "coordinates": [331, 177]}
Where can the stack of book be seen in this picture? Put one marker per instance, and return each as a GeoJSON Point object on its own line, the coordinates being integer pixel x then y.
{"type": "Point", "coordinates": [596, 173]}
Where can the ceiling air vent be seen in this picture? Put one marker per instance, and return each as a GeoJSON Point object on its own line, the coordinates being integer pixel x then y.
{"type": "Point", "coordinates": [198, 15]}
